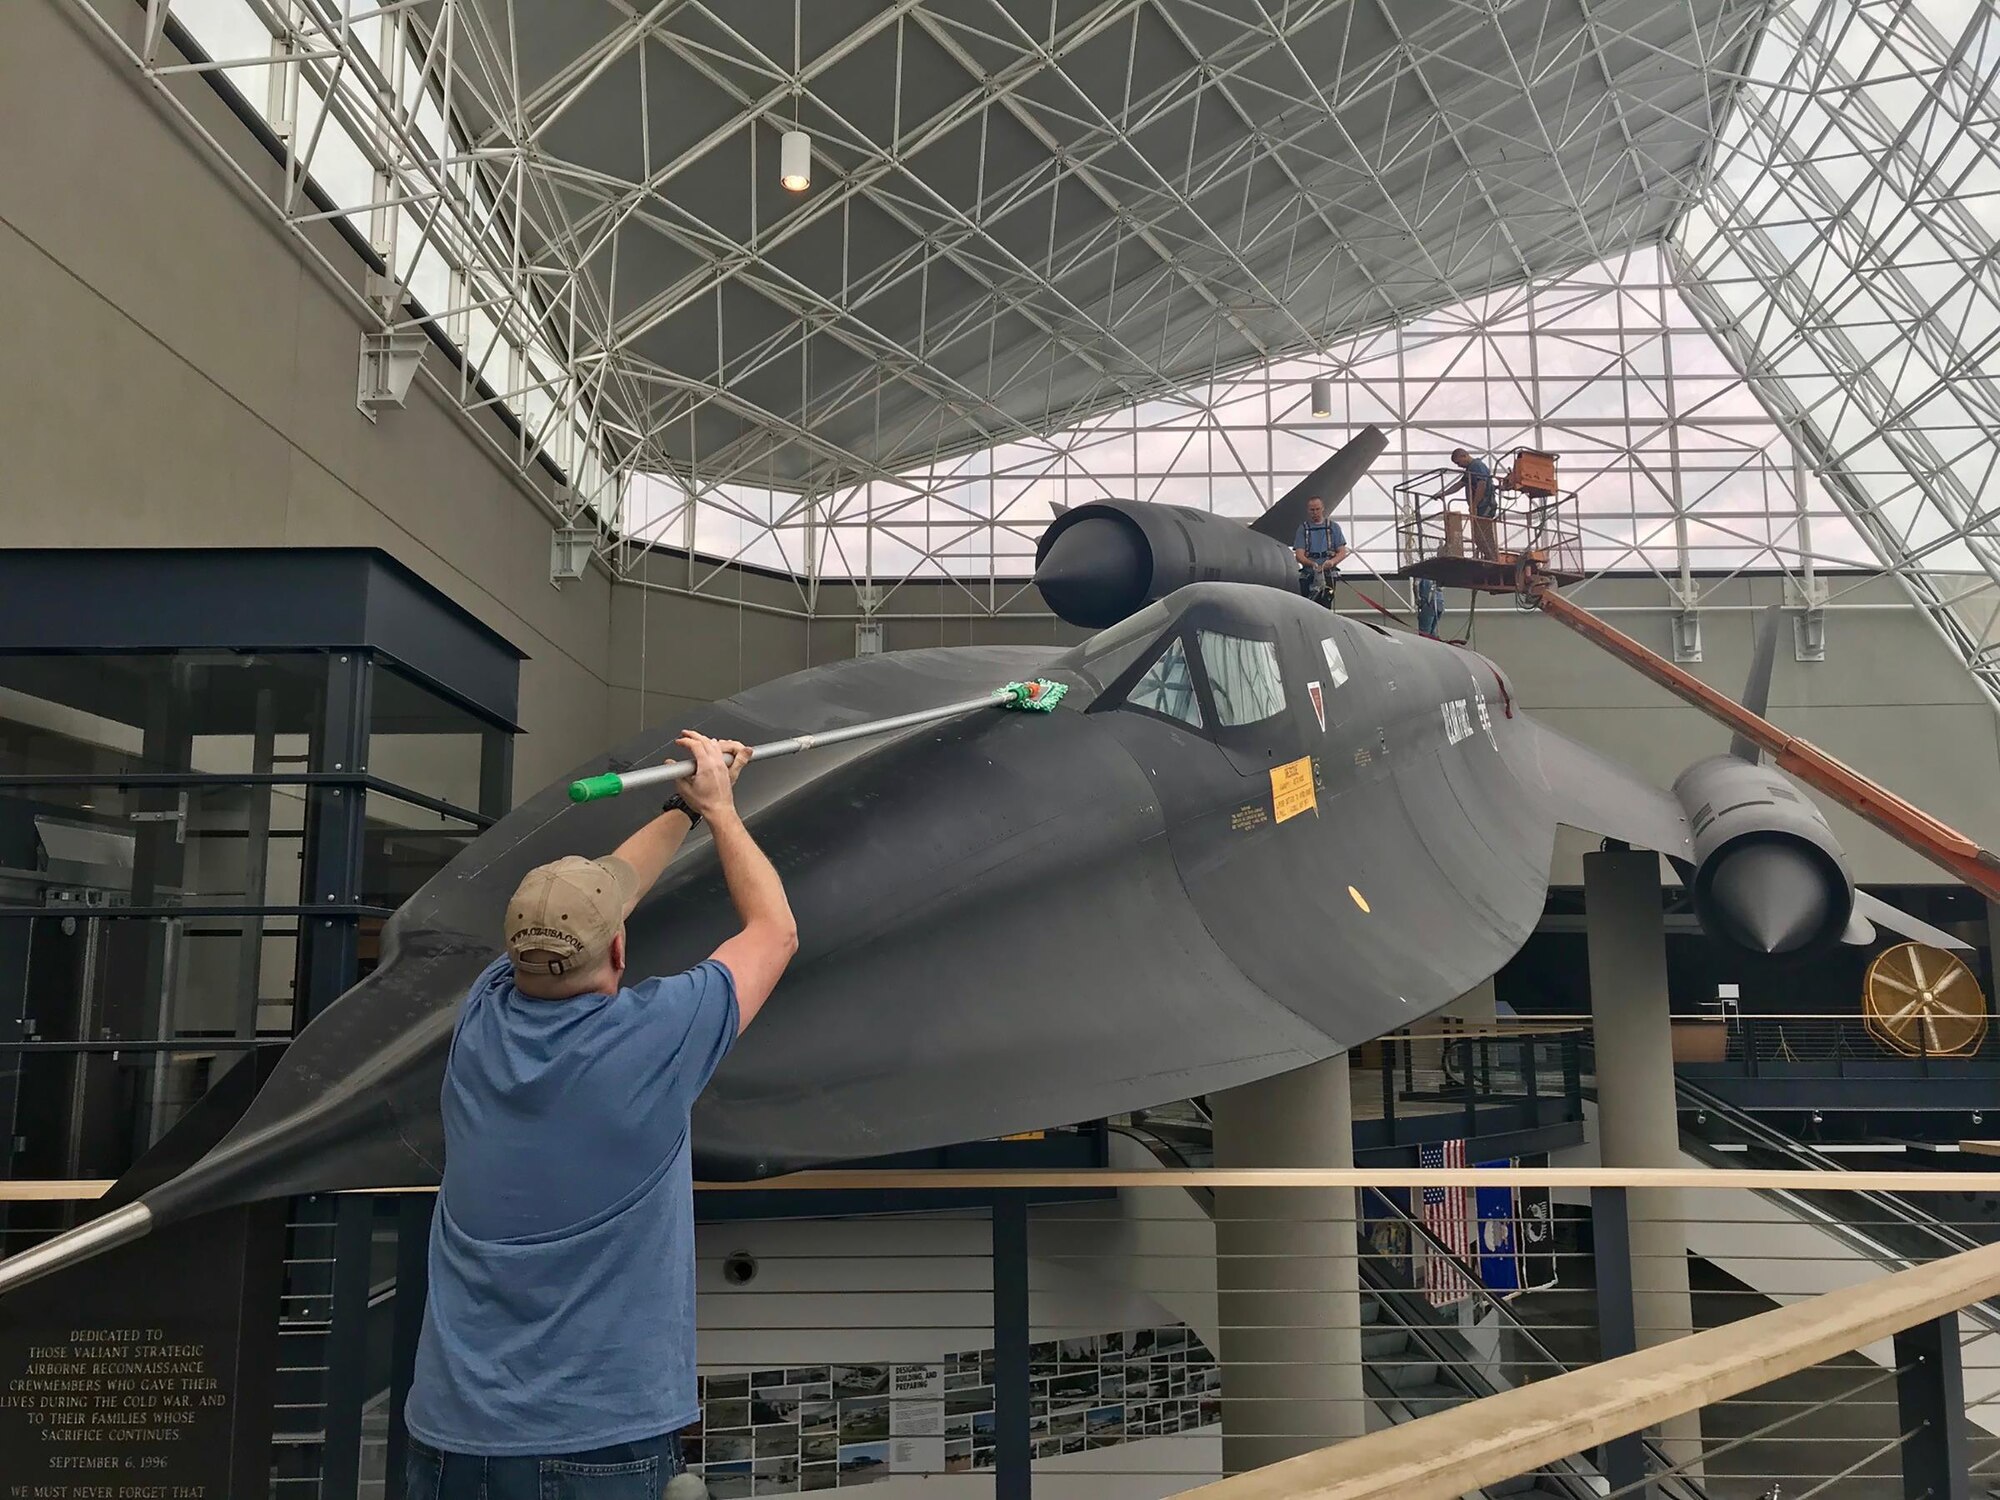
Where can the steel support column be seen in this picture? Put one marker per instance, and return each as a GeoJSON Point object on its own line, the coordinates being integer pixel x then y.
{"type": "Point", "coordinates": [1930, 1408]}
{"type": "Point", "coordinates": [1622, 1461]}
{"type": "Point", "coordinates": [413, 1244]}
{"type": "Point", "coordinates": [1013, 1475]}
{"type": "Point", "coordinates": [496, 775]}
{"type": "Point", "coordinates": [335, 822]}
{"type": "Point", "coordinates": [347, 1347]}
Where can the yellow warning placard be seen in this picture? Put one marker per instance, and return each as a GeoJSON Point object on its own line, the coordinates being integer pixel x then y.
{"type": "Point", "coordinates": [1292, 789]}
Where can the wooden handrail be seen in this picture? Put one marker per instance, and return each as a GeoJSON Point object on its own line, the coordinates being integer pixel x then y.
{"type": "Point", "coordinates": [85, 1191]}
{"type": "Point", "coordinates": [1458, 1452]}
{"type": "Point", "coordinates": [1007, 1179]}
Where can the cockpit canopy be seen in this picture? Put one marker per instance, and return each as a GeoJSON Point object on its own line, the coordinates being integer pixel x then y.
{"type": "Point", "coordinates": [1203, 658]}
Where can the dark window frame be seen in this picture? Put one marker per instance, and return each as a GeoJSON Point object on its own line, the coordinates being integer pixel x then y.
{"type": "Point", "coordinates": [1285, 704]}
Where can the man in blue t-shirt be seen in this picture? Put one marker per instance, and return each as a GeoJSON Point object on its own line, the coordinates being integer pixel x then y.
{"type": "Point", "coordinates": [1319, 545]}
{"type": "Point", "coordinates": [557, 1352]}
{"type": "Point", "coordinates": [1481, 500]}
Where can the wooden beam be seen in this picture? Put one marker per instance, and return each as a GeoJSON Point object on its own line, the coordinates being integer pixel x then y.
{"type": "Point", "coordinates": [1980, 1148]}
{"type": "Point", "coordinates": [54, 1192]}
{"type": "Point", "coordinates": [838, 1179]}
{"type": "Point", "coordinates": [1454, 1453]}
{"type": "Point", "coordinates": [1753, 1179]}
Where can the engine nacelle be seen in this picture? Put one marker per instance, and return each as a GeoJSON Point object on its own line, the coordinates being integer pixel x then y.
{"type": "Point", "coordinates": [1768, 873]}
{"type": "Point", "coordinates": [1103, 561]}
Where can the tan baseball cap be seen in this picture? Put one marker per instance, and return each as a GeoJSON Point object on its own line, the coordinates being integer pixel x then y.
{"type": "Point", "coordinates": [562, 917]}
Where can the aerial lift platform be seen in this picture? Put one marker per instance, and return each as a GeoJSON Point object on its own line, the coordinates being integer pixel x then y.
{"type": "Point", "coordinates": [1535, 545]}
{"type": "Point", "coordinates": [1537, 530]}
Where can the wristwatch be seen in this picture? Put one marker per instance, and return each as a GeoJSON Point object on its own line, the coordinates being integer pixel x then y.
{"type": "Point", "coordinates": [678, 803]}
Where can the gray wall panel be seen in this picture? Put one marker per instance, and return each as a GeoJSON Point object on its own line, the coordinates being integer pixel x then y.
{"type": "Point", "coordinates": [174, 370]}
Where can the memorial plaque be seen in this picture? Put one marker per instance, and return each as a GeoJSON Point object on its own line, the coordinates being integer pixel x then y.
{"type": "Point", "coordinates": [146, 1374]}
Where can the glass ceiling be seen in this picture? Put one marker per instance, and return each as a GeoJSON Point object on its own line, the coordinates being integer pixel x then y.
{"type": "Point", "coordinates": [1670, 449]}
{"type": "Point", "coordinates": [1844, 257]}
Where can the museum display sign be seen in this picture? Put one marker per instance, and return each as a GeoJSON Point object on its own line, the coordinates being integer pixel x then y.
{"type": "Point", "coordinates": [146, 1374]}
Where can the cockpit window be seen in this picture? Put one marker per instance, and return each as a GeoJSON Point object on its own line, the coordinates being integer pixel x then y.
{"type": "Point", "coordinates": [1243, 678]}
{"type": "Point", "coordinates": [1336, 665]}
{"type": "Point", "coordinates": [1168, 687]}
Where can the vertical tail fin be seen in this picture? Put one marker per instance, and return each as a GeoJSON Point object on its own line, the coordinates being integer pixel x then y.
{"type": "Point", "coordinates": [1330, 481]}
{"type": "Point", "coordinates": [1757, 691]}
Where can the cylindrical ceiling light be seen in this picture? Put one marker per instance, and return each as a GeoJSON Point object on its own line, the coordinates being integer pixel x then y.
{"type": "Point", "coordinates": [795, 161]}
{"type": "Point", "coordinates": [1322, 397]}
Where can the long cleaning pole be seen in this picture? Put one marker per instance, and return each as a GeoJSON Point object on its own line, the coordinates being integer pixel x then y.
{"type": "Point", "coordinates": [1039, 696]}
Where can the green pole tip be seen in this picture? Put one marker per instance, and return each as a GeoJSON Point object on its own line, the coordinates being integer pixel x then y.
{"type": "Point", "coordinates": [1041, 695]}
{"type": "Point", "coordinates": [596, 788]}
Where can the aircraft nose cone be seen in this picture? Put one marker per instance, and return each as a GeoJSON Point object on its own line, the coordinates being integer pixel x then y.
{"type": "Point", "coordinates": [1772, 897]}
{"type": "Point", "coordinates": [1095, 571]}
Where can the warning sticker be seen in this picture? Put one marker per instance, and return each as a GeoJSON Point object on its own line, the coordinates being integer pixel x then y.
{"type": "Point", "coordinates": [1292, 789]}
{"type": "Point", "coordinates": [1319, 704]}
{"type": "Point", "coordinates": [1249, 815]}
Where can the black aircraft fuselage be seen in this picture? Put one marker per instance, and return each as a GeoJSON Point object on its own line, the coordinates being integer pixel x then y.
{"type": "Point", "coordinates": [1255, 834]}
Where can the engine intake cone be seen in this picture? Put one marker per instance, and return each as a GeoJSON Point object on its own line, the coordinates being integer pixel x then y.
{"type": "Point", "coordinates": [1772, 897]}
{"type": "Point", "coordinates": [1096, 572]}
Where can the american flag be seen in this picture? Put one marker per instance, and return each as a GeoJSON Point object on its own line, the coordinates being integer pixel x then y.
{"type": "Point", "coordinates": [1446, 1216]}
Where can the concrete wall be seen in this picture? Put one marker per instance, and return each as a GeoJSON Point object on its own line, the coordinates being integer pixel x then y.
{"type": "Point", "coordinates": [174, 371]}
{"type": "Point", "coordinates": [743, 628]}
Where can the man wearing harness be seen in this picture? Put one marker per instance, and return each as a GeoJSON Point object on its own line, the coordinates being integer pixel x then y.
{"type": "Point", "coordinates": [1319, 546]}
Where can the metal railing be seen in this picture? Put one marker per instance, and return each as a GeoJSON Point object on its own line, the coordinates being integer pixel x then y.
{"type": "Point", "coordinates": [1530, 1359]}
{"type": "Point", "coordinates": [1428, 1341]}
{"type": "Point", "coordinates": [1897, 1232]}
{"type": "Point", "coordinates": [1759, 1041]}
{"type": "Point", "coordinates": [1434, 521]}
{"type": "Point", "coordinates": [1428, 1083]}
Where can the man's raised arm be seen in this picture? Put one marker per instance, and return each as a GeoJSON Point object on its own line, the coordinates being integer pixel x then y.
{"type": "Point", "coordinates": [653, 847]}
{"type": "Point", "coordinates": [757, 955]}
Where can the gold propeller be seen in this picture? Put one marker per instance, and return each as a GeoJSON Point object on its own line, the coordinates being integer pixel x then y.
{"type": "Point", "coordinates": [1921, 1001]}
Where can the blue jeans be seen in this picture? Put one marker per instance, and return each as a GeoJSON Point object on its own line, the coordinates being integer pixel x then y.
{"type": "Point", "coordinates": [624, 1471]}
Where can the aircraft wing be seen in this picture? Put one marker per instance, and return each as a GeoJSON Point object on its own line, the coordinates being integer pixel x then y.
{"type": "Point", "coordinates": [1598, 795]}
{"type": "Point", "coordinates": [1882, 914]}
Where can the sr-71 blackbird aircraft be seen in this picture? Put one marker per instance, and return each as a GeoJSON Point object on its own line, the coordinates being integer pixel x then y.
{"type": "Point", "coordinates": [1254, 834]}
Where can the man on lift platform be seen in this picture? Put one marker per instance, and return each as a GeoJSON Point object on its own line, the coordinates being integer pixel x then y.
{"type": "Point", "coordinates": [1319, 545]}
{"type": "Point", "coordinates": [1481, 500]}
